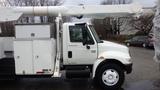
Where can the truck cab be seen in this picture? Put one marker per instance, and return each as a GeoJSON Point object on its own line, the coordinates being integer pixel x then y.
{"type": "Point", "coordinates": [82, 46]}
{"type": "Point", "coordinates": [107, 60]}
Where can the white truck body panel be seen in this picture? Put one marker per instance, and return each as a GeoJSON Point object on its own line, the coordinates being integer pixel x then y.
{"type": "Point", "coordinates": [33, 31]}
{"type": "Point", "coordinates": [110, 50]}
{"type": "Point", "coordinates": [43, 56]}
{"type": "Point", "coordinates": [34, 56]}
{"type": "Point", "coordinates": [23, 57]}
{"type": "Point", "coordinates": [34, 47]}
{"type": "Point", "coordinates": [80, 54]}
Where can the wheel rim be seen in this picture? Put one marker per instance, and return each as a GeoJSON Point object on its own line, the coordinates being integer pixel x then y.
{"type": "Point", "coordinates": [110, 77]}
{"type": "Point", "coordinates": [128, 44]}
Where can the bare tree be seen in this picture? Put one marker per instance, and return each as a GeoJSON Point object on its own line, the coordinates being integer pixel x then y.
{"type": "Point", "coordinates": [116, 22]}
{"type": "Point", "coordinates": [143, 24]}
{"type": "Point", "coordinates": [102, 27]}
{"type": "Point", "coordinates": [110, 26]}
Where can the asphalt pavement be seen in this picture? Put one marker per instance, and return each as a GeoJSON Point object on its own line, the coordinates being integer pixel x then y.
{"type": "Point", "coordinates": [145, 76]}
{"type": "Point", "coordinates": [146, 72]}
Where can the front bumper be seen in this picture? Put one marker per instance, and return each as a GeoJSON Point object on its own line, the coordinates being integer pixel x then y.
{"type": "Point", "coordinates": [128, 68]}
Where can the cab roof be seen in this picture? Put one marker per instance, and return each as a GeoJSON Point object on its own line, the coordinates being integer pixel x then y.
{"type": "Point", "coordinates": [74, 23]}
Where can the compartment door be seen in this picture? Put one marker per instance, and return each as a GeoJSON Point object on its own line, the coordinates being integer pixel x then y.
{"type": "Point", "coordinates": [23, 57]}
{"type": "Point", "coordinates": [43, 57]}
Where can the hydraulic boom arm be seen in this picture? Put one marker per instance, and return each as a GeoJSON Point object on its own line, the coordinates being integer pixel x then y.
{"type": "Point", "coordinates": [95, 11]}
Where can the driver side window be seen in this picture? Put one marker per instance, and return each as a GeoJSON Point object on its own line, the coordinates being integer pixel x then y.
{"type": "Point", "coordinates": [80, 34]}
{"type": "Point", "coordinates": [75, 34]}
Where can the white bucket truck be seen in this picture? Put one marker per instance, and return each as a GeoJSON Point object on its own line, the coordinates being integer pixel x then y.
{"type": "Point", "coordinates": [43, 50]}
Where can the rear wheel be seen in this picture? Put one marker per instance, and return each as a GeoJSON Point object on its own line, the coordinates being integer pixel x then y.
{"type": "Point", "coordinates": [110, 76]}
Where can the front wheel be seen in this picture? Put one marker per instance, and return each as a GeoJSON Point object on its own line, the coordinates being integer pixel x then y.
{"type": "Point", "coordinates": [110, 76]}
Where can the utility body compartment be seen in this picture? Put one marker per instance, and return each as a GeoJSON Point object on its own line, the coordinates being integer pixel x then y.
{"type": "Point", "coordinates": [34, 56]}
{"type": "Point", "coordinates": [34, 49]}
{"type": "Point", "coordinates": [33, 31]}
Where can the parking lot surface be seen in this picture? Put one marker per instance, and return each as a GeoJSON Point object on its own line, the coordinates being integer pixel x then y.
{"type": "Point", "coordinates": [145, 76]}
{"type": "Point", "coordinates": [146, 72]}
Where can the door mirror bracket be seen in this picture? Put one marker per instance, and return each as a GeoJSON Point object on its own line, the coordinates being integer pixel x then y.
{"type": "Point", "coordinates": [84, 42]}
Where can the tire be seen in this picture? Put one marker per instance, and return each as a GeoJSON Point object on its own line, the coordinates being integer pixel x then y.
{"type": "Point", "coordinates": [115, 77]}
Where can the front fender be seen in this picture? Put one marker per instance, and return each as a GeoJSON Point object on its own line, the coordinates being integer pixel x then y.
{"type": "Point", "coordinates": [95, 65]}
{"type": "Point", "coordinates": [119, 56]}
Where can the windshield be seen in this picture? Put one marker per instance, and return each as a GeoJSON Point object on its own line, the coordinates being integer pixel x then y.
{"type": "Point", "coordinates": [94, 33]}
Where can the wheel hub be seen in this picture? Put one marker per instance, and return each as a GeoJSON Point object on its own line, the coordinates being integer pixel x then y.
{"type": "Point", "coordinates": [110, 77]}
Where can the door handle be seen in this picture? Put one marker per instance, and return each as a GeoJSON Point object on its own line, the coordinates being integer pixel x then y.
{"type": "Point", "coordinates": [18, 57]}
{"type": "Point", "coordinates": [69, 54]}
{"type": "Point", "coordinates": [37, 57]}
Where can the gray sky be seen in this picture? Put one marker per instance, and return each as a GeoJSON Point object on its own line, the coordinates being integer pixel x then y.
{"type": "Point", "coordinates": [146, 3]}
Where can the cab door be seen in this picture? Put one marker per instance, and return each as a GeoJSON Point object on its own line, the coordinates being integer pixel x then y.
{"type": "Point", "coordinates": [82, 47]}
